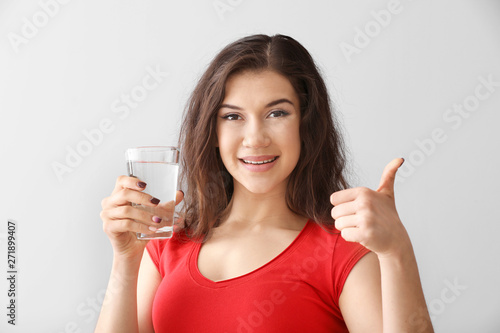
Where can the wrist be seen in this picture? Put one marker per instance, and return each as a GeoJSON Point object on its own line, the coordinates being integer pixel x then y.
{"type": "Point", "coordinates": [400, 254]}
{"type": "Point", "coordinates": [126, 264]}
{"type": "Point", "coordinates": [129, 256]}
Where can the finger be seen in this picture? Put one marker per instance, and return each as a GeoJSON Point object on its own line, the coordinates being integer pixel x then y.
{"type": "Point", "coordinates": [351, 234]}
{"type": "Point", "coordinates": [344, 209]}
{"type": "Point", "coordinates": [126, 196]}
{"type": "Point", "coordinates": [343, 196]}
{"type": "Point", "coordinates": [127, 225]}
{"type": "Point", "coordinates": [389, 175]}
{"type": "Point", "coordinates": [169, 206]}
{"type": "Point", "coordinates": [132, 213]}
{"type": "Point", "coordinates": [165, 209]}
{"type": "Point", "coordinates": [350, 221]}
{"type": "Point", "coordinates": [179, 196]}
{"type": "Point", "coordinates": [129, 182]}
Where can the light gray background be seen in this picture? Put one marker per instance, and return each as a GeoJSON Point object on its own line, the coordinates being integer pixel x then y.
{"type": "Point", "coordinates": [391, 96]}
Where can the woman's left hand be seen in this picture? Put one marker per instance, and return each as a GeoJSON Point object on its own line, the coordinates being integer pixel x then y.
{"type": "Point", "coordinates": [370, 218]}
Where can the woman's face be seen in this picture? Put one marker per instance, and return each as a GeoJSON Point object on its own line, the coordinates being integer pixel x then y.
{"type": "Point", "coordinates": [258, 130]}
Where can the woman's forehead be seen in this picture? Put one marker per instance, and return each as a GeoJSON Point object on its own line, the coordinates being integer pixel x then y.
{"type": "Point", "coordinates": [259, 87]}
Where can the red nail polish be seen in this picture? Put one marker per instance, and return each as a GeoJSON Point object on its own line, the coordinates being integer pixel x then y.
{"type": "Point", "coordinates": [154, 201]}
{"type": "Point", "coordinates": [141, 184]}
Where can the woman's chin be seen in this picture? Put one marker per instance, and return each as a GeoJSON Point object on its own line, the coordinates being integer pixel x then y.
{"type": "Point", "coordinates": [260, 187]}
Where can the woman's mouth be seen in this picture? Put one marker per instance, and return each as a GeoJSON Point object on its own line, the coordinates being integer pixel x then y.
{"type": "Point", "coordinates": [258, 163]}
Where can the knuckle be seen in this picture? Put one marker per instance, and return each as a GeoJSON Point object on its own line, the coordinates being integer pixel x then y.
{"type": "Point", "coordinates": [368, 233]}
{"type": "Point", "coordinates": [364, 191]}
{"type": "Point", "coordinates": [365, 223]}
{"type": "Point", "coordinates": [121, 179]}
{"type": "Point", "coordinates": [124, 195]}
{"type": "Point", "coordinates": [106, 227]}
{"type": "Point", "coordinates": [121, 194]}
{"type": "Point", "coordinates": [125, 211]}
{"type": "Point", "coordinates": [363, 203]}
{"type": "Point", "coordinates": [128, 224]}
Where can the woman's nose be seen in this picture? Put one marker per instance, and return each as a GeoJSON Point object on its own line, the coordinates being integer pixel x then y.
{"type": "Point", "coordinates": [256, 135]}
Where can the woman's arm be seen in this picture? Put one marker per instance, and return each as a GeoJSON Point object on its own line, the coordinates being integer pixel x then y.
{"type": "Point", "coordinates": [403, 302]}
{"type": "Point", "coordinates": [361, 298]}
{"type": "Point", "coordinates": [147, 285]}
{"type": "Point", "coordinates": [370, 218]}
{"type": "Point", "coordinates": [119, 308]}
{"type": "Point", "coordinates": [128, 304]}
{"type": "Point", "coordinates": [383, 295]}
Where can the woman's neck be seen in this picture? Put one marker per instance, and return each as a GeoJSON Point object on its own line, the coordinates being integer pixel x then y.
{"type": "Point", "coordinates": [257, 211]}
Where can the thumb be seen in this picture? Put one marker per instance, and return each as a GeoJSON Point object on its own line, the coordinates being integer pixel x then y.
{"type": "Point", "coordinates": [179, 195]}
{"type": "Point", "coordinates": [389, 175]}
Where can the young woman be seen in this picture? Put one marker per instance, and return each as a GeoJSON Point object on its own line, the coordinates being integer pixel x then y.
{"type": "Point", "coordinates": [260, 248]}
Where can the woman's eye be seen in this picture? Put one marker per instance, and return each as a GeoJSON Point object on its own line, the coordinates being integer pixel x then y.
{"type": "Point", "coordinates": [231, 116]}
{"type": "Point", "coordinates": [278, 113]}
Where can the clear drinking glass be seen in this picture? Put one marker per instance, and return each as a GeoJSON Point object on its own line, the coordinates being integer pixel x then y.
{"type": "Point", "coordinates": [158, 168]}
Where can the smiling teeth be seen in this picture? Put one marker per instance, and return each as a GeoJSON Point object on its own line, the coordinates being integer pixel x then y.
{"type": "Point", "coordinates": [261, 162]}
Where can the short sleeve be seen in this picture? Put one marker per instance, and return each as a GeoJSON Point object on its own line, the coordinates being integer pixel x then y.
{"type": "Point", "coordinates": [155, 248]}
{"type": "Point", "coordinates": [345, 256]}
{"type": "Point", "coordinates": [163, 251]}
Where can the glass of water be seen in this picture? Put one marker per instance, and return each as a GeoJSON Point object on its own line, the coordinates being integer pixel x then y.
{"type": "Point", "coordinates": [158, 168]}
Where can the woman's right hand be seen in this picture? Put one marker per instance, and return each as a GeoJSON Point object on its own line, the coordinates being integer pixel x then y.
{"type": "Point", "coordinates": [121, 221]}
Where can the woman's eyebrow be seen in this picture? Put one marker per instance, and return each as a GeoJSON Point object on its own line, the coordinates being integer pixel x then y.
{"type": "Point", "coordinates": [229, 106]}
{"type": "Point", "coordinates": [279, 101]}
{"type": "Point", "coordinates": [268, 105]}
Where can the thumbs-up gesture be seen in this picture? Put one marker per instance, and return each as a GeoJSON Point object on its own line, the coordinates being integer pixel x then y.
{"type": "Point", "coordinates": [370, 217]}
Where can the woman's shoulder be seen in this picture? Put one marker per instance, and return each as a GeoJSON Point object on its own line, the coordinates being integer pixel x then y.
{"type": "Point", "coordinates": [331, 257]}
{"type": "Point", "coordinates": [176, 246]}
{"type": "Point", "coordinates": [322, 234]}
{"type": "Point", "coordinates": [330, 239]}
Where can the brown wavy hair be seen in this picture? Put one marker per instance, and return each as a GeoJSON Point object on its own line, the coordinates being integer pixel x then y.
{"type": "Point", "coordinates": [320, 171]}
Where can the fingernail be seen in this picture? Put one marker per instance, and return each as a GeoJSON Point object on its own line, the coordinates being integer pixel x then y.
{"type": "Point", "coordinates": [153, 228]}
{"type": "Point", "coordinates": [141, 184]}
{"type": "Point", "coordinates": [182, 192]}
{"type": "Point", "coordinates": [403, 160]}
{"type": "Point", "coordinates": [154, 201]}
{"type": "Point", "coordinates": [156, 219]}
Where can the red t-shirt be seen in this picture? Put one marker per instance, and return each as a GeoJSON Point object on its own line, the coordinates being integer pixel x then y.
{"type": "Point", "coordinates": [297, 291]}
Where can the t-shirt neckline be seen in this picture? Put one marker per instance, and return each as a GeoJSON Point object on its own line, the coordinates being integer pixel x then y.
{"type": "Point", "coordinates": [204, 281]}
